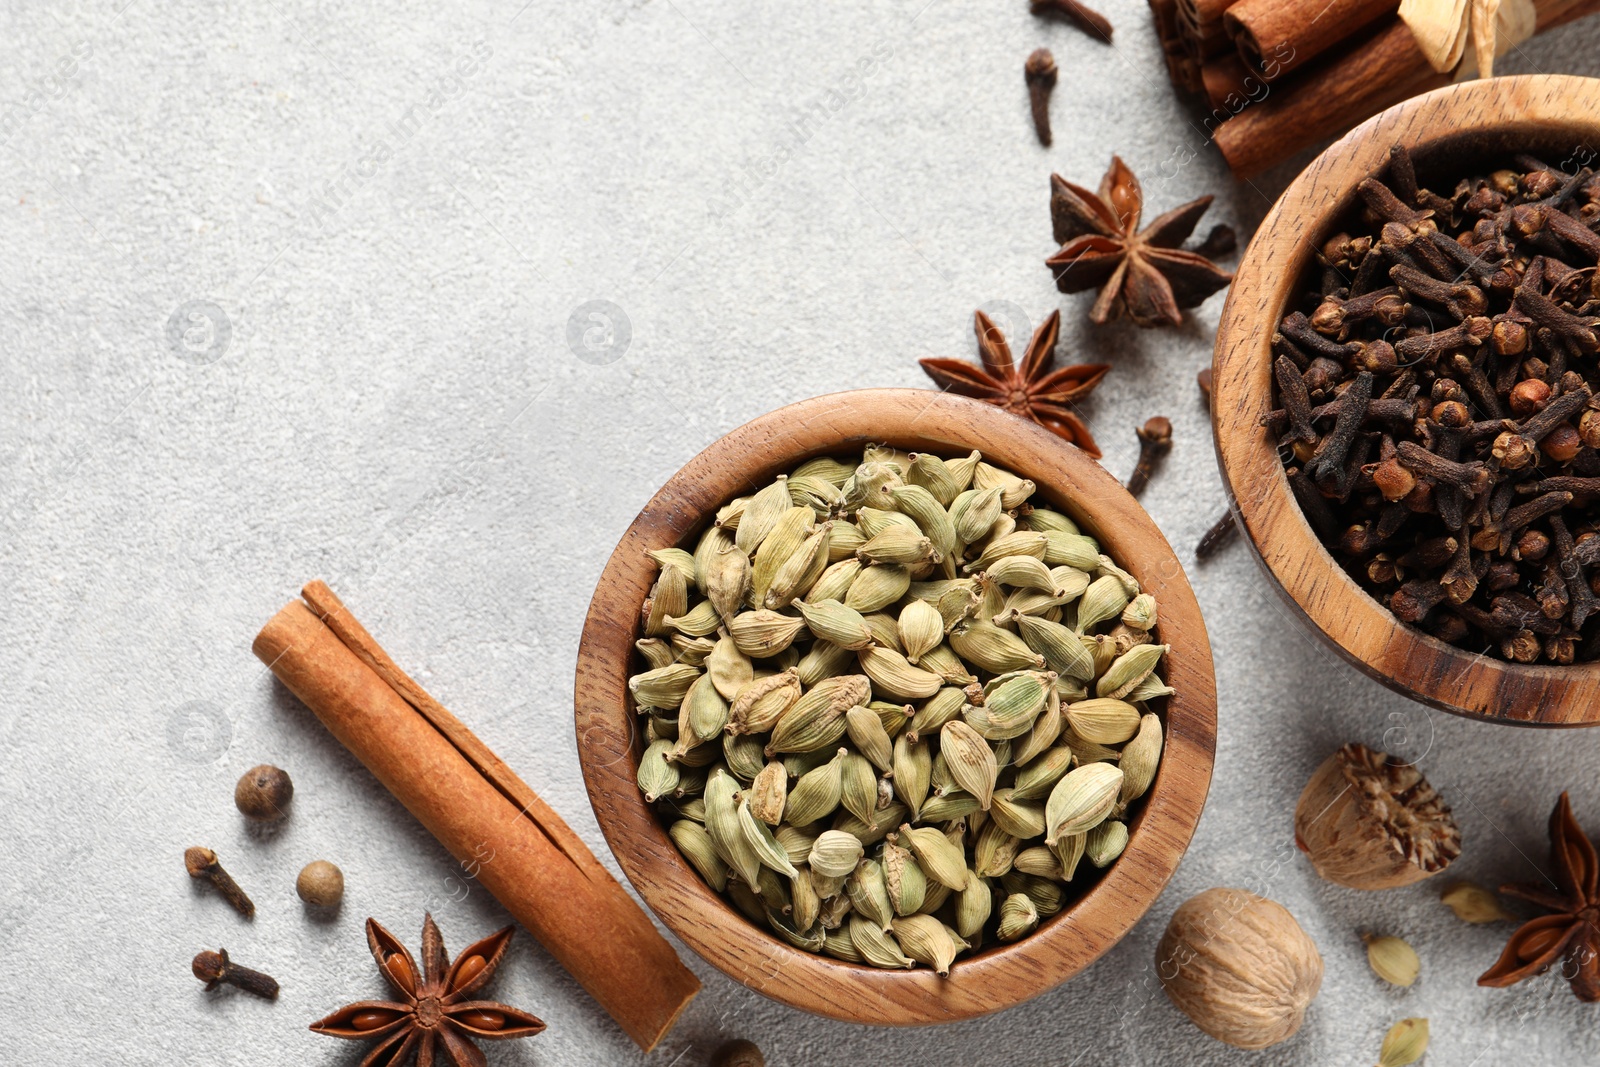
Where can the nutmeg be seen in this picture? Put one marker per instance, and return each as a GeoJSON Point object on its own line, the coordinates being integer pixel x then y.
{"type": "Point", "coordinates": [1369, 821]}
{"type": "Point", "coordinates": [1239, 966]}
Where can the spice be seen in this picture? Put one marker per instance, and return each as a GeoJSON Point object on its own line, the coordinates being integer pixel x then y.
{"type": "Point", "coordinates": [1035, 389]}
{"type": "Point", "coordinates": [433, 1015]}
{"type": "Point", "coordinates": [1405, 1043]}
{"type": "Point", "coordinates": [1368, 821]}
{"type": "Point", "coordinates": [519, 849]}
{"type": "Point", "coordinates": [1218, 537]}
{"type": "Point", "coordinates": [216, 969]}
{"type": "Point", "coordinates": [263, 793]}
{"type": "Point", "coordinates": [1434, 388]}
{"type": "Point", "coordinates": [1087, 19]}
{"type": "Point", "coordinates": [1040, 74]}
{"type": "Point", "coordinates": [1140, 273]}
{"type": "Point", "coordinates": [320, 884]}
{"type": "Point", "coordinates": [1473, 903]}
{"type": "Point", "coordinates": [1569, 932]}
{"type": "Point", "coordinates": [1239, 966]}
{"type": "Point", "coordinates": [202, 863]}
{"type": "Point", "coordinates": [738, 1054]}
{"type": "Point", "coordinates": [1393, 960]}
{"type": "Point", "coordinates": [979, 683]}
{"type": "Point", "coordinates": [1155, 440]}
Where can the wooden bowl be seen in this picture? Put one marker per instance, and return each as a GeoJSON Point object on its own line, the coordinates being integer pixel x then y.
{"type": "Point", "coordinates": [1459, 125]}
{"type": "Point", "coordinates": [609, 745]}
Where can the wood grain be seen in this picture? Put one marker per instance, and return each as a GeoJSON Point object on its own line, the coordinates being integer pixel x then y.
{"type": "Point", "coordinates": [1446, 129]}
{"type": "Point", "coordinates": [609, 745]}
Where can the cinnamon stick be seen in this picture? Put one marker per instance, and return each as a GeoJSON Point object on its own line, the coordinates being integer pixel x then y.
{"type": "Point", "coordinates": [1181, 66]}
{"type": "Point", "coordinates": [482, 813]}
{"type": "Point", "coordinates": [1201, 29]}
{"type": "Point", "coordinates": [1347, 86]}
{"type": "Point", "coordinates": [1323, 100]}
{"type": "Point", "coordinates": [1278, 36]}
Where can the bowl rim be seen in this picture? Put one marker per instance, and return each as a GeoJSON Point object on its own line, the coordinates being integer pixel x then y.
{"type": "Point", "coordinates": [995, 979]}
{"type": "Point", "coordinates": [1478, 117]}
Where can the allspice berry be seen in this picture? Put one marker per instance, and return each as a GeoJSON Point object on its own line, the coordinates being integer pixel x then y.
{"type": "Point", "coordinates": [1369, 821]}
{"type": "Point", "coordinates": [263, 793]}
{"type": "Point", "coordinates": [738, 1054]}
{"type": "Point", "coordinates": [1239, 966]}
{"type": "Point", "coordinates": [320, 884]}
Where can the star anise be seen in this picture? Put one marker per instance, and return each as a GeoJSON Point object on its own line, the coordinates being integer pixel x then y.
{"type": "Point", "coordinates": [434, 1016]}
{"type": "Point", "coordinates": [1141, 272]}
{"type": "Point", "coordinates": [1033, 390]}
{"type": "Point", "coordinates": [1572, 930]}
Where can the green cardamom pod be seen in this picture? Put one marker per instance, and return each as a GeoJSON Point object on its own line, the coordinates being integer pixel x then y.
{"type": "Point", "coordinates": [1105, 842]}
{"type": "Point", "coordinates": [941, 860]}
{"type": "Point", "coordinates": [1069, 851]}
{"type": "Point", "coordinates": [656, 652]}
{"type": "Point", "coordinates": [830, 470]}
{"type": "Point", "coordinates": [762, 634]}
{"type": "Point", "coordinates": [816, 720]}
{"type": "Point", "coordinates": [929, 515]}
{"type": "Point", "coordinates": [913, 770]}
{"type": "Point", "coordinates": [973, 513]}
{"type": "Point", "coordinates": [1022, 572]}
{"type": "Point", "coordinates": [1021, 818]}
{"type": "Point", "coordinates": [1019, 543]}
{"type": "Point", "coordinates": [933, 474]}
{"type": "Point", "coordinates": [722, 824]}
{"type": "Point", "coordinates": [878, 586]}
{"type": "Point", "coordinates": [844, 541]}
{"type": "Point", "coordinates": [869, 894]}
{"type": "Point", "coordinates": [1073, 550]}
{"type": "Point", "coordinates": [955, 804]}
{"type": "Point", "coordinates": [663, 687]}
{"type": "Point", "coordinates": [797, 574]}
{"type": "Point", "coordinates": [892, 674]}
{"type": "Point", "coordinates": [791, 531]}
{"type": "Point", "coordinates": [866, 731]}
{"type": "Point", "coordinates": [1045, 731]}
{"type": "Point", "coordinates": [993, 850]}
{"type": "Point", "coordinates": [669, 597]}
{"type": "Point", "coordinates": [730, 669]}
{"type": "Point", "coordinates": [1404, 1044]}
{"type": "Point", "coordinates": [837, 944]}
{"type": "Point", "coordinates": [816, 795]}
{"type": "Point", "coordinates": [1060, 647]}
{"type": "Point", "coordinates": [701, 620]}
{"type": "Point", "coordinates": [1036, 779]}
{"type": "Point", "coordinates": [1047, 896]}
{"type": "Point", "coordinates": [899, 545]}
{"type": "Point", "coordinates": [831, 621]}
{"type": "Point", "coordinates": [859, 788]}
{"type": "Point", "coordinates": [796, 842]}
{"type": "Point", "coordinates": [1128, 670]}
{"type": "Point", "coordinates": [1140, 758]}
{"type": "Point", "coordinates": [825, 660]}
{"type": "Point", "coordinates": [769, 791]}
{"type": "Point", "coordinates": [904, 879]}
{"type": "Point", "coordinates": [762, 701]}
{"type": "Point", "coordinates": [1047, 520]}
{"type": "Point", "coordinates": [704, 712]}
{"type": "Point", "coordinates": [973, 906]}
{"type": "Point", "coordinates": [1014, 490]}
{"type": "Point", "coordinates": [835, 854]}
{"type": "Point", "coordinates": [876, 946]}
{"type": "Point", "coordinates": [761, 841]}
{"type": "Point", "coordinates": [762, 514]}
{"type": "Point", "coordinates": [921, 629]}
{"type": "Point", "coordinates": [885, 820]}
{"type": "Point", "coordinates": [834, 582]}
{"type": "Point", "coordinates": [1104, 599]}
{"type": "Point", "coordinates": [675, 557]}
{"type": "Point", "coordinates": [1102, 720]}
{"type": "Point", "coordinates": [1038, 861]}
{"type": "Point", "coordinates": [818, 494]}
{"type": "Point", "coordinates": [742, 753]}
{"type": "Point", "coordinates": [807, 905]}
{"type": "Point", "coordinates": [992, 649]}
{"type": "Point", "coordinates": [695, 844]}
{"type": "Point", "coordinates": [970, 759]}
{"type": "Point", "coordinates": [1081, 800]}
{"type": "Point", "coordinates": [927, 940]}
{"type": "Point", "coordinates": [1018, 918]}
{"type": "Point", "coordinates": [656, 776]}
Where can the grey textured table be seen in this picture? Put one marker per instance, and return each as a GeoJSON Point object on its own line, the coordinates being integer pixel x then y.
{"type": "Point", "coordinates": [298, 289]}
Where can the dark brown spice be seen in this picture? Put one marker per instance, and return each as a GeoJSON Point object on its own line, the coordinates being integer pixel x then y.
{"type": "Point", "coordinates": [1437, 413]}
{"type": "Point", "coordinates": [216, 969]}
{"type": "Point", "coordinates": [1040, 74]}
{"type": "Point", "coordinates": [1155, 440]}
{"type": "Point", "coordinates": [202, 863]}
{"type": "Point", "coordinates": [1086, 19]}
{"type": "Point", "coordinates": [1217, 538]}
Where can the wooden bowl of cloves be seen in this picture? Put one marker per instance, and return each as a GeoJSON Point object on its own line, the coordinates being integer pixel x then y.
{"type": "Point", "coordinates": [616, 722]}
{"type": "Point", "coordinates": [1407, 407]}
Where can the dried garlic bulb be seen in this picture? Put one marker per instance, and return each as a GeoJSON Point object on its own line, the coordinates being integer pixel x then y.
{"type": "Point", "coordinates": [1368, 821]}
{"type": "Point", "coordinates": [1239, 966]}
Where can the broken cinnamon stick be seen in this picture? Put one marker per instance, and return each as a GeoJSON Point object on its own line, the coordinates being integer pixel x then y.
{"type": "Point", "coordinates": [1278, 36]}
{"type": "Point", "coordinates": [480, 811]}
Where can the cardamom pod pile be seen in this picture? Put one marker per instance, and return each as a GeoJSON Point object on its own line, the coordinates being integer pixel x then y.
{"type": "Point", "coordinates": [892, 706]}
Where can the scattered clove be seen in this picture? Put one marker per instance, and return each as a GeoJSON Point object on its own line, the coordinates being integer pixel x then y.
{"type": "Point", "coordinates": [1086, 19]}
{"type": "Point", "coordinates": [1217, 538]}
{"type": "Point", "coordinates": [202, 863]}
{"type": "Point", "coordinates": [215, 969]}
{"type": "Point", "coordinates": [1155, 441]}
{"type": "Point", "coordinates": [1040, 74]}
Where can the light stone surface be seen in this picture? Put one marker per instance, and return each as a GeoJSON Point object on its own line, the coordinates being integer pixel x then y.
{"type": "Point", "coordinates": [286, 293]}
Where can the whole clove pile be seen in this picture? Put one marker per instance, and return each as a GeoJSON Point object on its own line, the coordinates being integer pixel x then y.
{"type": "Point", "coordinates": [1436, 404]}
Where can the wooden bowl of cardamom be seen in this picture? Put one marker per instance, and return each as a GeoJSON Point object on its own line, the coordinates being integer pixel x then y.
{"type": "Point", "coordinates": [1401, 416]}
{"type": "Point", "coordinates": [1130, 843]}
